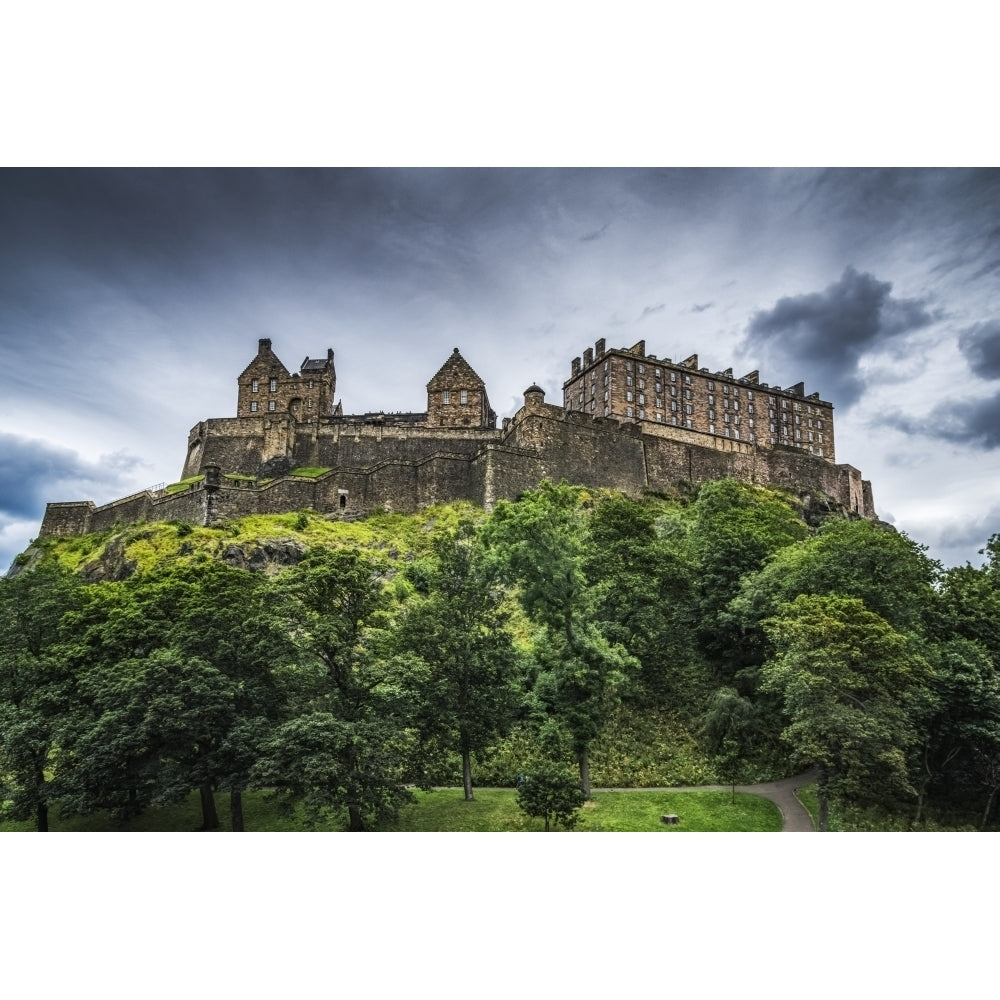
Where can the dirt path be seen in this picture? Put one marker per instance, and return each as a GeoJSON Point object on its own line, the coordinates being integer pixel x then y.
{"type": "Point", "coordinates": [794, 815]}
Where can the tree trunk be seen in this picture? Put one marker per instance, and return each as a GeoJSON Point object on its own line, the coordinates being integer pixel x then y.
{"type": "Point", "coordinates": [236, 811]}
{"type": "Point", "coordinates": [989, 808]}
{"type": "Point", "coordinates": [356, 823]}
{"type": "Point", "coordinates": [209, 814]}
{"type": "Point", "coordinates": [43, 818]}
{"type": "Point", "coordinates": [824, 804]}
{"type": "Point", "coordinates": [584, 759]}
{"type": "Point", "coordinates": [467, 775]}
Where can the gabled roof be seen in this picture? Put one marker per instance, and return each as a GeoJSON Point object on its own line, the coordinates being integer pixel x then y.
{"type": "Point", "coordinates": [269, 359]}
{"type": "Point", "coordinates": [454, 372]}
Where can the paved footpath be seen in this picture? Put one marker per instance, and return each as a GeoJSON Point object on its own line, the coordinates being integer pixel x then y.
{"type": "Point", "coordinates": [795, 816]}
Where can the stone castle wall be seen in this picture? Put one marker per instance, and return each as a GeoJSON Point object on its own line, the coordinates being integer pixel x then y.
{"type": "Point", "coordinates": [405, 468]}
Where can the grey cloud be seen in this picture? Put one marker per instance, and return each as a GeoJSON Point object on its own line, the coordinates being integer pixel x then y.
{"type": "Point", "coordinates": [974, 422]}
{"type": "Point", "coordinates": [701, 307]}
{"type": "Point", "coordinates": [595, 235]}
{"type": "Point", "coordinates": [981, 346]}
{"type": "Point", "coordinates": [652, 310]}
{"type": "Point", "coordinates": [33, 472]}
{"type": "Point", "coordinates": [827, 333]}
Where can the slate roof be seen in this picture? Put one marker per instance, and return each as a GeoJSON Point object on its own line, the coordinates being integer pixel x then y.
{"type": "Point", "coordinates": [456, 370]}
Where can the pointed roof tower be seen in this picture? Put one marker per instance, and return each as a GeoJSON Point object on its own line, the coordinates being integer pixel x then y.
{"type": "Point", "coordinates": [456, 396]}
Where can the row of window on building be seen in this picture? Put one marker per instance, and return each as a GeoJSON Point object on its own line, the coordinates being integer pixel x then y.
{"type": "Point", "coordinates": [272, 385]}
{"type": "Point", "coordinates": [463, 397]}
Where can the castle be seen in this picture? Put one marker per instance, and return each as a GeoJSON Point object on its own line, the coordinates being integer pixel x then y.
{"type": "Point", "coordinates": [628, 421]}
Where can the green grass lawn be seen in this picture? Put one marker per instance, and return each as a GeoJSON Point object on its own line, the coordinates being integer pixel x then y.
{"type": "Point", "coordinates": [493, 810]}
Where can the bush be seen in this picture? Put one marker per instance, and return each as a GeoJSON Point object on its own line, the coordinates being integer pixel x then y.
{"type": "Point", "coordinates": [551, 793]}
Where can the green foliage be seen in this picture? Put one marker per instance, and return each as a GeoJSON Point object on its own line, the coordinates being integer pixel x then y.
{"type": "Point", "coordinates": [847, 681]}
{"type": "Point", "coordinates": [310, 471]}
{"type": "Point", "coordinates": [552, 794]}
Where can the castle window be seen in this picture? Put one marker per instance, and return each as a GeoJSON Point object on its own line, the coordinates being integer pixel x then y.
{"type": "Point", "coordinates": [628, 368]}
{"type": "Point", "coordinates": [673, 376]}
{"type": "Point", "coordinates": [656, 373]}
{"type": "Point", "coordinates": [711, 428]}
{"type": "Point", "coordinates": [736, 434]}
{"type": "Point", "coordinates": [253, 406]}
{"type": "Point", "coordinates": [273, 385]}
{"type": "Point", "coordinates": [687, 379]}
{"type": "Point", "coordinates": [642, 414]}
{"type": "Point", "coordinates": [687, 424]}
{"type": "Point", "coordinates": [628, 379]}
{"type": "Point", "coordinates": [309, 403]}
{"type": "Point", "coordinates": [628, 397]}
{"type": "Point", "coordinates": [711, 387]}
{"type": "Point", "coordinates": [687, 410]}
{"type": "Point", "coordinates": [642, 369]}
{"type": "Point", "coordinates": [581, 396]}
{"type": "Point", "coordinates": [749, 394]}
{"type": "Point", "coordinates": [605, 395]}
{"type": "Point", "coordinates": [464, 398]}
{"type": "Point", "coordinates": [725, 418]}
{"type": "Point", "coordinates": [687, 393]}
{"type": "Point", "coordinates": [749, 407]}
{"type": "Point", "coordinates": [642, 397]}
{"type": "Point", "coordinates": [673, 390]}
{"type": "Point", "coordinates": [711, 414]}
{"type": "Point", "coordinates": [271, 405]}
{"type": "Point", "coordinates": [310, 383]}
{"type": "Point", "coordinates": [725, 389]}
{"type": "Point", "coordinates": [642, 383]}
{"type": "Point", "coordinates": [628, 411]}
{"type": "Point", "coordinates": [659, 401]}
{"type": "Point", "coordinates": [659, 418]}
{"type": "Point", "coordinates": [606, 363]}
{"type": "Point", "coordinates": [446, 397]}
{"type": "Point", "coordinates": [605, 379]}
{"type": "Point", "coordinates": [673, 420]}
{"type": "Point", "coordinates": [254, 385]}
{"type": "Point", "coordinates": [673, 406]}
{"type": "Point", "coordinates": [606, 410]}
{"type": "Point", "coordinates": [711, 400]}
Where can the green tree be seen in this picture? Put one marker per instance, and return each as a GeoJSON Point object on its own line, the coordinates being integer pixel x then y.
{"type": "Point", "coordinates": [149, 735]}
{"type": "Point", "coordinates": [729, 725]}
{"type": "Point", "coordinates": [958, 719]}
{"type": "Point", "coordinates": [885, 570]}
{"type": "Point", "coordinates": [344, 745]}
{"type": "Point", "coordinates": [734, 530]}
{"type": "Point", "coordinates": [542, 543]}
{"type": "Point", "coordinates": [207, 617]}
{"type": "Point", "coordinates": [36, 685]}
{"type": "Point", "coordinates": [472, 689]}
{"type": "Point", "coordinates": [644, 596]}
{"type": "Point", "coordinates": [552, 794]}
{"type": "Point", "coordinates": [847, 681]}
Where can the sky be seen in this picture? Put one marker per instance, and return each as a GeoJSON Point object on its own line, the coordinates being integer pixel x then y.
{"type": "Point", "coordinates": [130, 300]}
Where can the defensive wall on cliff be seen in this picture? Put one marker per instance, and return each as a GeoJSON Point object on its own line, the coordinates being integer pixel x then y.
{"type": "Point", "coordinates": [405, 468]}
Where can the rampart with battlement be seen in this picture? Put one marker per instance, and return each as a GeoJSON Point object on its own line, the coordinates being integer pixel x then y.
{"type": "Point", "coordinates": [240, 466]}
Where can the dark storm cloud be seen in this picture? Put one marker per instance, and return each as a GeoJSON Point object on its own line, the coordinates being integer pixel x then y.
{"type": "Point", "coordinates": [827, 333]}
{"type": "Point", "coordinates": [974, 422]}
{"type": "Point", "coordinates": [981, 346]}
{"type": "Point", "coordinates": [33, 472]}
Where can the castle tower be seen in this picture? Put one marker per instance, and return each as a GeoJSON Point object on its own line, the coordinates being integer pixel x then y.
{"type": "Point", "coordinates": [456, 397]}
{"type": "Point", "coordinates": [266, 386]}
